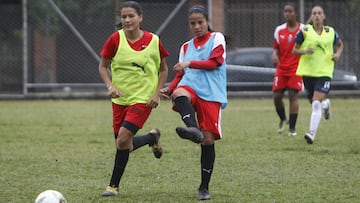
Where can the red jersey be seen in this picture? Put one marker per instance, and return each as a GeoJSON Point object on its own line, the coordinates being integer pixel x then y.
{"type": "Point", "coordinates": [112, 43]}
{"type": "Point", "coordinates": [284, 41]}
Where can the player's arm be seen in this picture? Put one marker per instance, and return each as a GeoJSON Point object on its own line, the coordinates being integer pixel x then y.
{"type": "Point", "coordinates": [275, 57]}
{"type": "Point", "coordinates": [339, 47]}
{"type": "Point", "coordinates": [276, 47]}
{"type": "Point", "coordinates": [163, 73]}
{"type": "Point", "coordinates": [105, 76]}
{"type": "Point", "coordinates": [215, 60]}
{"type": "Point", "coordinates": [298, 41]}
{"type": "Point", "coordinates": [217, 55]}
{"type": "Point", "coordinates": [167, 91]}
{"type": "Point", "coordinates": [107, 53]}
{"type": "Point", "coordinates": [276, 52]}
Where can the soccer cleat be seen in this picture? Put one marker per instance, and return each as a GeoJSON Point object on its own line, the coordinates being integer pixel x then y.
{"type": "Point", "coordinates": [110, 191]}
{"type": "Point", "coordinates": [292, 132]}
{"type": "Point", "coordinates": [327, 110]}
{"type": "Point", "coordinates": [281, 126]}
{"type": "Point", "coordinates": [156, 147]}
{"type": "Point", "coordinates": [190, 133]}
{"type": "Point", "coordinates": [309, 137]}
{"type": "Point", "coordinates": [204, 194]}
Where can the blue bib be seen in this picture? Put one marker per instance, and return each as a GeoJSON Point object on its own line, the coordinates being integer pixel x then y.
{"type": "Point", "coordinates": [209, 85]}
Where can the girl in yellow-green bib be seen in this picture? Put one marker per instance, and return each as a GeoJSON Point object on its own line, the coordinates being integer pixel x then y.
{"type": "Point", "coordinates": [315, 44]}
{"type": "Point", "coordinates": [138, 71]}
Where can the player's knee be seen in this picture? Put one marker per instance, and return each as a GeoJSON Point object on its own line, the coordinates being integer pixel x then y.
{"type": "Point", "coordinates": [123, 141]}
{"type": "Point", "coordinates": [209, 138]}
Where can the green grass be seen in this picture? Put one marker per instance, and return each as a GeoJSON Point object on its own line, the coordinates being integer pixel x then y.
{"type": "Point", "coordinates": [68, 146]}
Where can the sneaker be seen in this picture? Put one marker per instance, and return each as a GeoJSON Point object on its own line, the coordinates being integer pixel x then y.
{"type": "Point", "coordinates": [281, 126]}
{"type": "Point", "coordinates": [327, 110]}
{"type": "Point", "coordinates": [110, 191]}
{"type": "Point", "coordinates": [309, 137]}
{"type": "Point", "coordinates": [292, 132]}
{"type": "Point", "coordinates": [190, 133]}
{"type": "Point", "coordinates": [204, 194]}
{"type": "Point", "coordinates": [156, 147]}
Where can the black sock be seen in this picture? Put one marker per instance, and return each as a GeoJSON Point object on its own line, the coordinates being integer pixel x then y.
{"type": "Point", "coordinates": [292, 120]}
{"type": "Point", "coordinates": [121, 159]}
{"type": "Point", "coordinates": [207, 164]}
{"type": "Point", "coordinates": [139, 141]}
{"type": "Point", "coordinates": [281, 113]}
{"type": "Point", "coordinates": [186, 111]}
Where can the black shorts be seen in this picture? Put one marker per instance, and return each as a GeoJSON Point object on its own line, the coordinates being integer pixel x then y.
{"type": "Point", "coordinates": [319, 84]}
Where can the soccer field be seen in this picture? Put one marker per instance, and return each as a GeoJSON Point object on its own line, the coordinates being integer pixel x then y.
{"type": "Point", "coordinates": [67, 145]}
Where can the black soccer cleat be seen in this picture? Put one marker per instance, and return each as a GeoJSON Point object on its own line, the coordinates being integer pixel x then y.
{"type": "Point", "coordinates": [156, 147]}
{"type": "Point", "coordinates": [190, 133]}
{"type": "Point", "coordinates": [204, 194]}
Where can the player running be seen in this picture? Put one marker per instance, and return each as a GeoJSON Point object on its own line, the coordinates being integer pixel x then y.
{"type": "Point", "coordinates": [319, 46]}
{"type": "Point", "coordinates": [139, 70]}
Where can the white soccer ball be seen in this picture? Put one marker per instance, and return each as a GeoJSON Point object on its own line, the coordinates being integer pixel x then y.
{"type": "Point", "coordinates": [50, 196]}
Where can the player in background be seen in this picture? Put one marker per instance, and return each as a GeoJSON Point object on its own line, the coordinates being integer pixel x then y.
{"type": "Point", "coordinates": [286, 64]}
{"type": "Point", "coordinates": [139, 70]}
{"type": "Point", "coordinates": [199, 88]}
{"type": "Point", "coordinates": [319, 47]}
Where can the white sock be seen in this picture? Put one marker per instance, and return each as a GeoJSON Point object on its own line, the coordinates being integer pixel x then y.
{"type": "Point", "coordinates": [315, 116]}
{"type": "Point", "coordinates": [325, 104]}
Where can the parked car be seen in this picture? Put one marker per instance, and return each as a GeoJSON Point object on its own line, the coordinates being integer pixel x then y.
{"type": "Point", "coordinates": [252, 69]}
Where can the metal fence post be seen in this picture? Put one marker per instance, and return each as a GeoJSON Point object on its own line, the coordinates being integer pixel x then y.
{"type": "Point", "coordinates": [25, 46]}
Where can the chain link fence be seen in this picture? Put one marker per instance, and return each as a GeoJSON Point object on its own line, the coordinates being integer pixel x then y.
{"type": "Point", "coordinates": [11, 60]}
{"type": "Point", "coordinates": [51, 47]}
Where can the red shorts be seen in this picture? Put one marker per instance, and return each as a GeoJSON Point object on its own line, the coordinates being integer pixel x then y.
{"type": "Point", "coordinates": [290, 82]}
{"type": "Point", "coordinates": [208, 113]}
{"type": "Point", "coordinates": [136, 114]}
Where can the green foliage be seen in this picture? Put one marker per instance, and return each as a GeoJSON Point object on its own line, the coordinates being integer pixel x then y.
{"type": "Point", "coordinates": [68, 146]}
{"type": "Point", "coordinates": [44, 17]}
